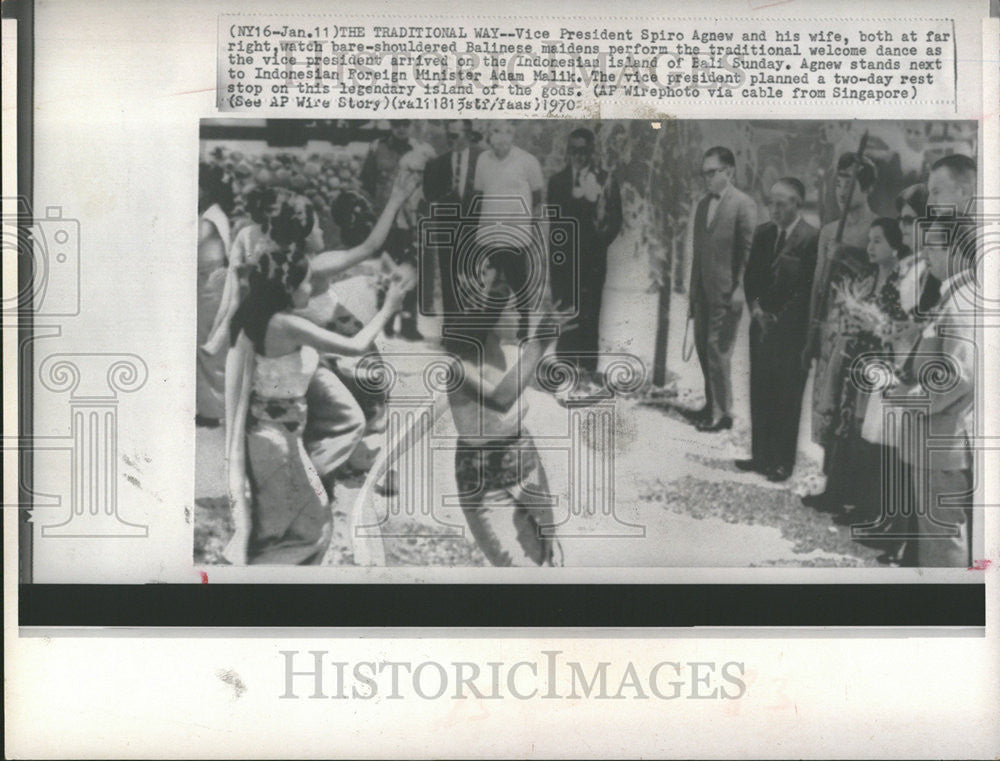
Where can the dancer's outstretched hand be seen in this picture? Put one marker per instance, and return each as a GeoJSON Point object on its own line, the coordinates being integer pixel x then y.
{"type": "Point", "coordinates": [550, 324]}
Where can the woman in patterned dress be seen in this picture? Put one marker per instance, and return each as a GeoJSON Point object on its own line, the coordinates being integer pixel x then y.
{"type": "Point", "coordinates": [281, 511]}
{"type": "Point", "coordinates": [864, 310]}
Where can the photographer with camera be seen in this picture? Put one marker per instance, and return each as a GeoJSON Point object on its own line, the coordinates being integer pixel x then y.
{"type": "Point", "coordinates": [450, 179]}
{"type": "Point", "coordinates": [380, 168]}
{"type": "Point", "coordinates": [941, 368]}
{"type": "Point", "coordinates": [588, 195]}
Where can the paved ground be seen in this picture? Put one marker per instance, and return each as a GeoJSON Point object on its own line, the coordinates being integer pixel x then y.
{"type": "Point", "coordinates": [678, 499]}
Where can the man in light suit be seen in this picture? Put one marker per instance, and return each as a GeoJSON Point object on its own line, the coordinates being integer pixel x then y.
{"type": "Point", "coordinates": [940, 530]}
{"type": "Point", "coordinates": [724, 222]}
{"type": "Point", "coordinates": [943, 478]}
{"type": "Point", "coordinates": [450, 179]}
{"type": "Point", "coordinates": [777, 286]}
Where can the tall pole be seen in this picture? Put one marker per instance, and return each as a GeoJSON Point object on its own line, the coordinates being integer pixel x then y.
{"type": "Point", "coordinates": [662, 330]}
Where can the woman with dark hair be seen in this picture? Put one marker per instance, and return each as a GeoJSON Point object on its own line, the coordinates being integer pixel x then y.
{"type": "Point", "coordinates": [336, 418]}
{"type": "Point", "coordinates": [502, 486]}
{"type": "Point", "coordinates": [919, 290]}
{"type": "Point", "coordinates": [865, 310]}
{"type": "Point", "coordinates": [255, 239]}
{"type": "Point", "coordinates": [911, 205]}
{"type": "Point", "coordinates": [247, 246]}
{"type": "Point", "coordinates": [280, 508]}
{"type": "Point", "coordinates": [215, 202]}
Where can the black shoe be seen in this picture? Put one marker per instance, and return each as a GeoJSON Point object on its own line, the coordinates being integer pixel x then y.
{"type": "Point", "coordinates": [749, 465]}
{"type": "Point", "coordinates": [722, 424]}
{"type": "Point", "coordinates": [411, 334]}
{"type": "Point", "coordinates": [390, 331]}
{"type": "Point", "coordinates": [816, 501]}
{"type": "Point", "coordinates": [704, 413]}
{"type": "Point", "coordinates": [778, 474]}
{"type": "Point", "coordinates": [878, 529]}
{"type": "Point", "coordinates": [893, 559]}
{"type": "Point", "coordinates": [849, 518]}
{"type": "Point", "coordinates": [206, 422]}
{"type": "Point", "coordinates": [822, 503]}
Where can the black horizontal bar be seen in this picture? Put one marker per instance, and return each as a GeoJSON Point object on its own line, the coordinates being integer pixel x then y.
{"type": "Point", "coordinates": [502, 605]}
{"type": "Point", "coordinates": [337, 135]}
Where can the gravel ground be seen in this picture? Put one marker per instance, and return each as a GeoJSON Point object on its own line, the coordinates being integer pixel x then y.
{"type": "Point", "coordinates": [695, 508]}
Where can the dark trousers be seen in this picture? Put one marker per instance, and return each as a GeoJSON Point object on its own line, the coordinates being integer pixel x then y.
{"type": "Point", "coordinates": [450, 307]}
{"type": "Point", "coordinates": [941, 534]}
{"type": "Point", "coordinates": [579, 344]}
{"type": "Point", "coordinates": [776, 385]}
{"type": "Point", "coordinates": [715, 327]}
{"type": "Point", "coordinates": [905, 508]}
{"type": "Point", "coordinates": [516, 269]}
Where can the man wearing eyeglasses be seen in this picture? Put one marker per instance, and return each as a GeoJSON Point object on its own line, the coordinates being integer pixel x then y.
{"type": "Point", "coordinates": [724, 222]}
{"type": "Point", "coordinates": [450, 179]}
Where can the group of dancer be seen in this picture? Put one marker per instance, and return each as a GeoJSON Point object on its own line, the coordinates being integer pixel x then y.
{"type": "Point", "coordinates": [273, 338]}
{"type": "Point", "coordinates": [880, 309]}
{"type": "Point", "coordinates": [269, 366]}
{"type": "Point", "coordinates": [860, 298]}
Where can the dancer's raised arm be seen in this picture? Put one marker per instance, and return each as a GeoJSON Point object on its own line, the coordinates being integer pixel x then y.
{"type": "Point", "coordinates": [332, 262]}
{"type": "Point", "coordinates": [307, 333]}
{"type": "Point", "coordinates": [501, 395]}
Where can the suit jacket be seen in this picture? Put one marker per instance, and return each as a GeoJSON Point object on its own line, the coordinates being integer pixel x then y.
{"type": "Point", "coordinates": [598, 222]}
{"type": "Point", "coordinates": [379, 168]}
{"type": "Point", "coordinates": [947, 392]}
{"type": "Point", "coordinates": [438, 180]}
{"type": "Point", "coordinates": [721, 248]}
{"type": "Point", "coordinates": [781, 281]}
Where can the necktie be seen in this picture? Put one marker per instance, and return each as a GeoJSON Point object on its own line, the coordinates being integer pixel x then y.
{"type": "Point", "coordinates": [781, 242]}
{"type": "Point", "coordinates": [711, 207]}
{"type": "Point", "coordinates": [457, 173]}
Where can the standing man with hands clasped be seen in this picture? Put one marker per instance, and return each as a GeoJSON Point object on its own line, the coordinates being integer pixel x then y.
{"type": "Point", "coordinates": [450, 179]}
{"type": "Point", "coordinates": [589, 195]}
{"type": "Point", "coordinates": [777, 286]}
{"type": "Point", "coordinates": [724, 221]}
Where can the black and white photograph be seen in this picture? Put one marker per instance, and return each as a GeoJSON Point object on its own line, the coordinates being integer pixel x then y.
{"type": "Point", "coordinates": [461, 380]}
{"type": "Point", "coordinates": [678, 343]}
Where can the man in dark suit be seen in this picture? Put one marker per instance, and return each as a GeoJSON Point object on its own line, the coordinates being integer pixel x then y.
{"type": "Point", "coordinates": [377, 175]}
{"type": "Point", "coordinates": [449, 179]}
{"type": "Point", "coordinates": [777, 285]}
{"type": "Point", "coordinates": [589, 195]}
{"type": "Point", "coordinates": [724, 221]}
